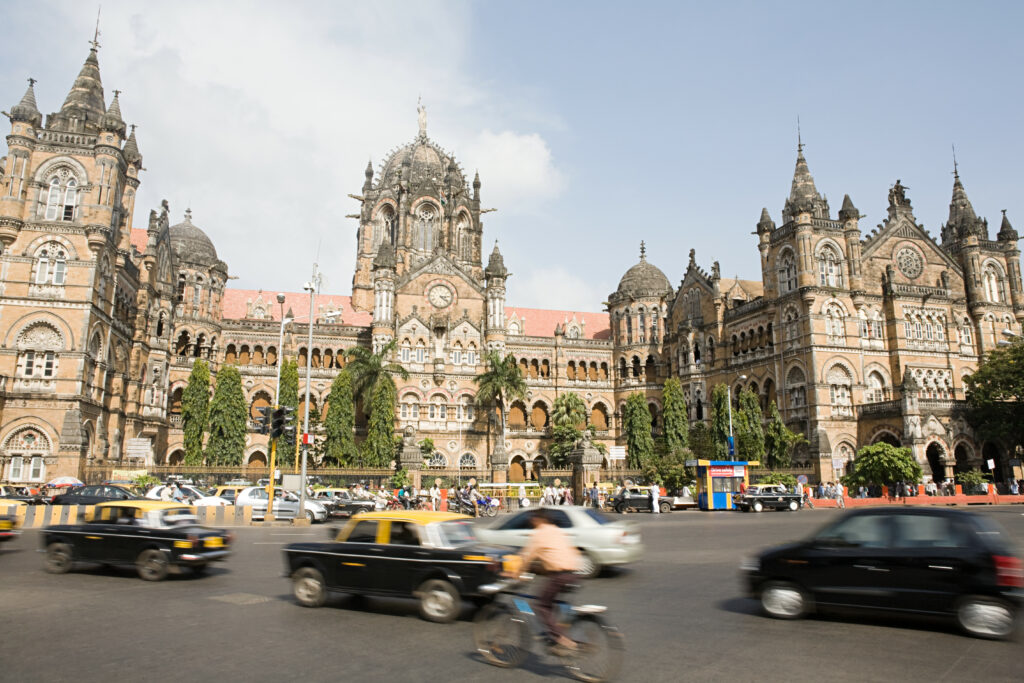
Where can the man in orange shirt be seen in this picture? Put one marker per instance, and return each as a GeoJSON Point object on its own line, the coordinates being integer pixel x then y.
{"type": "Point", "coordinates": [550, 548]}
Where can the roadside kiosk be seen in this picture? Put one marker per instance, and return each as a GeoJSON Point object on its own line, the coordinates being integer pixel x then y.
{"type": "Point", "coordinates": [718, 480]}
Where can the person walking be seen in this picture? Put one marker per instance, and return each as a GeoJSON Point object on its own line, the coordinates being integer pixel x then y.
{"type": "Point", "coordinates": [435, 495]}
{"type": "Point", "coordinates": [595, 496]}
{"type": "Point", "coordinates": [655, 498]}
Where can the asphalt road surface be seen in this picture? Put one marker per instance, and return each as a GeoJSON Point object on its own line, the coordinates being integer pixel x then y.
{"type": "Point", "coordinates": [681, 610]}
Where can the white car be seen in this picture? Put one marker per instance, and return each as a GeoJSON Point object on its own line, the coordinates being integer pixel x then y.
{"type": "Point", "coordinates": [601, 541]}
{"type": "Point", "coordinates": [286, 504]}
{"type": "Point", "coordinates": [192, 494]}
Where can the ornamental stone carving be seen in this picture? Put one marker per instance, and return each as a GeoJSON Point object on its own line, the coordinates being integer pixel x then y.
{"type": "Point", "coordinates": [909, 262]}
{"type": "Point", "coordinates": [40, 336]}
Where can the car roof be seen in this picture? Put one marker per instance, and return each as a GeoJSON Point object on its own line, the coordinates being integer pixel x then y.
{"type": "Point", "coordinates": [418, 516]}
{"type": "Point", "coordinates": [141, 504]}
{"type": "Point", "coordinates": [907, 510]}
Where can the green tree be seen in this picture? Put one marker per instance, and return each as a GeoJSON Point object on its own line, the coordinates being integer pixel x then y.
{"type": "Point", "coordinates": [568, 419]}
{"type": "Point", "coordinates": [369, 369]}
{"type": "Point", "coordinates": [500, 383]}
{"type": "Point", "coordinates": [720, 421]}
{"type": "Point", "coordinates": [340, 424]}
{"type": "Point", "coordinates": [883, 464]}
{"type": "Point", "coordinates": [779, 441]}
{"type": "Point", "coordinates": [787, 480]}
{"type": "Point", "coordinates": [228, 417]}
{"type": "Point", "coordinates": [670, 469]}
{"type": "Point", "coordinates": [426, 445]}
{"type": "Point", "coordinates": [749, 428]}
{"type": "Point", "coordinates": [378, 450]}
{"type": "Point", "coordinates": [195, 411]}
{"type": "Point", "coordinates": [995, 395]}
{"type": "Point", "coordinates": [676, 421]}
{"type": "Point", "coordinates": [971, 481]}
{"type": "Point", "coordinates": [289, 397]}
{"type": "Point", "coordinates": [701, 442]}
{"type": "Point", "coordinates": [637, 424]}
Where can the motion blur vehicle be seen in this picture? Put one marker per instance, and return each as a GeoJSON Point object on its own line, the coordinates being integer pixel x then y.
{"type": "Point", "coordinates": [637, 499]}
{"type": "Point", "coordinates": [431, 556]}
{"type": "Point", "coordinates": [91, 495]}
{"type": "Point", "coordinates": [195, 496]}
{"type": "Point", "coordinates": [286, 504]}
{"type": "Point", "coordinates": [228, 492]}
{"type": "Point", "coordinates": [929, 561]}
{"type": "Point", "coordinates": [602, 542]}
{"type": "Point", "coordinates": [767, 496]}
{"type": "Point", "coordinates": [341, 503]}
{"type": "Point", "coordinates": [152, 535]}
{"type": "Point", "coordinates": [23, 494]}
{"type": "Point", "coordinates": [9, 519]}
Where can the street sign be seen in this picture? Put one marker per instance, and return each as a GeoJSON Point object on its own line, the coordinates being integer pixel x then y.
{"type": "Point", "coordinates": [306, 440]}
{"type": "Point", "coordinates": [732, 446]}
{"type": "Point", "coordinates": [140, 448]}
{"type": "Point", "coordinates": [802, 478]}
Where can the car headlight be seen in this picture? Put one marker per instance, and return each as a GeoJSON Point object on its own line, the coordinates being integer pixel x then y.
{"type": "Point", "coordinates": [751, 563]}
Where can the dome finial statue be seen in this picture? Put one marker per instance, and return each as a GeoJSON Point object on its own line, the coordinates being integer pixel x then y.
{"type": "Point", "coordinates": [643, 251]}
{"type": "Point", "coordinates": [422, 112]}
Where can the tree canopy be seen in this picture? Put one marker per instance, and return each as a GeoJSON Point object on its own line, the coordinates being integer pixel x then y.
{"type": "Point", "coordinates": [289, 397]}
{"type": "Point", "coordinates": [228, 418]}
{"type": "Point", "coordinates": [995, 394]}
{"type": "Point", "coordinates": [339, 425]}
{"type": "Point", "coordinates": [637, 424]}
{"type": "Point", "coordinates": [195, 411]}
{"type": "Point", "coordinates": [568, 419]}
{"type": "Point", "coordinates": [779, 441]}
{"type": "Point", "coordinates": [883, 464]}
{"type": "Point", "coordinates": [676, 422]}
{"type": "Point", "coordinates": [368, 369]}
{"type": "Point", "coordinates": [500, 383]}
{"type": "Point", "coordinates": [720, 421]}
{"type": "Point", "coordinates": [749, 428]}
{"type": "Point", "coordinates": [378, 450]}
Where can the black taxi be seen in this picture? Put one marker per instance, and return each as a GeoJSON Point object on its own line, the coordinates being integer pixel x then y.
{"type": "Point", "coordinates": [152, 535]}
{"type": "Point", "coordinates": [9, 518]}
{"type": "Point", "coordinates": [431, 556]}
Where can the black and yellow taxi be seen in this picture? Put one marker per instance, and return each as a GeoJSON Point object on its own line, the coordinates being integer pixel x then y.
{"type": "Point", "coordinates": [9, 518]}
{"type": "Point", "coordinates": [432, 556]}
{"type": "Point", "coordinates": [152, 535]}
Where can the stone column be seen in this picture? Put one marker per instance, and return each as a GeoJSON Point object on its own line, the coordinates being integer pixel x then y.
{"type": "Point", "coordinates": [499, 462]}
{"type": "Point", "coordinates": [586, 461]}
{"type": "Point", "coordinates": [411, 457]}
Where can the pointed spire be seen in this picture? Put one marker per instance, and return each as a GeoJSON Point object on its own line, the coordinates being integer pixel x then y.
{"type": "Point", "coordinates": [131, 150]}
{"type": "Point", "coordinates": [643, 251]}
{"type": "Point", "coordinates": [803, 195]}
{"type": "Point", "coordinates": [848, 212]}
{"type": "Point", "coordinates": [369, 169]}
{"type": "Point", "coordinates": [26, 110]}
{"type": "Point", "coordinates": [112, 120]}
{"type": "Point", "coordinates": [385, 258]}
{"type": "Point", "coordinates": [496, 264]}
{"type": "Point", "coordinates": [962, 218]}
{"type": "Point", "coordinates": [766, 224]}
{"type": "Point", "coordinates": [476, 180]}
{"type": "Point", "coordinates": [1006, 231]}
{"type": "Point", "coordinates": [85, 101]}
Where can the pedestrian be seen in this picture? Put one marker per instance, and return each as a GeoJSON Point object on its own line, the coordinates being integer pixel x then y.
{"type": "Point", "coordinates": [840, 496]}
{"type": "Point", "coordinates": [165, 492]}
{"type": "Point", "coordinates": [176, 495]}
{"type": "Point", "coordinates": [568, 496]}
{"type": "Point", "coordinates": [549, 495]}
{"type": "Point", "coordinates": [1014, 488]}
{"type": "Point", "coordinates": [594, 496]}
{"type": "Point", "coordinates": [435, 494]}
{"type": "Point", "coordinates": [655, 496]}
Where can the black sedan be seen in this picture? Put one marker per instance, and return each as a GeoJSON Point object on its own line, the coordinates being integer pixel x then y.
{"type": "Point", "coordinates": [91, 495]}
{"type": "Point", "coordinates": [636, 499]}
{"type": "Point", "coordinates": [341, 502]}
{"type": "Point", "coordinates": [903, 561]}
{"type": "Point", "coordinates": [432, 556]}
{"type": "Point", "coordinates": [152, 535]}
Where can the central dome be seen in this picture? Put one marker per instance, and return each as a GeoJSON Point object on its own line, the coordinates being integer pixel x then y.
{"type": "Point", "coordinates": [644, 279]}
{"type": "Point", "coordinates": [191, 244]}
{"type": "Point", "coordinates": [424, 164]}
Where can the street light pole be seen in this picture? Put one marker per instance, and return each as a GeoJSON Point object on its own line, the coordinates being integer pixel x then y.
{"type": "Point", "coordinates": [312, 286]}
{"type": "Point", "coordinates": [269, 515]}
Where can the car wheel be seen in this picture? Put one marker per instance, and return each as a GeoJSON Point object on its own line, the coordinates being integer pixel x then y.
{"type": "Point", "coordinates": [794, 506]}
{"type": "Point", "coordinates": [439, 601]}
{"type": "Point", "coordinates": [985, 617]}
{"type": "Point", "coordinates": [308, 587]}
{"type": "Point", "coordinates": [783, 600]}
{"type": "Point", "coordinates": [621, 508]}
{"type": "Point", "coordinates": [757, 506]}
{"type": "Point", "coordinates": [665, 507]}
{"type": "Point", "coordinates": [589, 567]}
{"type": "Point", "coordinates": [151, 565]}
{"type": "Point", "coordinates": [58, 558]}
{"type": "Point", "coordinates": [310, 517]}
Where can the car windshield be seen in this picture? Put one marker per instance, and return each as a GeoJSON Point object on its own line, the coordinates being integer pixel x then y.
{"type": "Point", "coordinates": [597, 516]}
{"type": "Point", "coordinates": [455, 533]}
{"type": "Point", "coordinates": [177, 517]}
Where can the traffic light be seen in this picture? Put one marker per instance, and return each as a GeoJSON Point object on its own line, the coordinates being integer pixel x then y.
{"type": "Point", "coordinates": [278, 426]}
{"type": "Point", "coordinates": [266, 413]}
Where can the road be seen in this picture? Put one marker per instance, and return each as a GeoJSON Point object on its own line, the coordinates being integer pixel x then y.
{"type": "Point", "coordinates": [681, 610]}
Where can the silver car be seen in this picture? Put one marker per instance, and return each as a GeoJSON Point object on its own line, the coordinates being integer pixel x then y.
{"type": "Point", "coordinates": [602, 542]}
{"type": "Point", "coordinates": [286, 504]}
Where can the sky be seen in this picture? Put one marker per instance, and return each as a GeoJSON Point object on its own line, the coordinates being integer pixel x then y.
{"type": "Point", "coordinates": [593, 125]}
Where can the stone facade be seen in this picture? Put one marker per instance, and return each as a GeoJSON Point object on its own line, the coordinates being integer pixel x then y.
{"type": "Point", "coordinates": [858, 338]}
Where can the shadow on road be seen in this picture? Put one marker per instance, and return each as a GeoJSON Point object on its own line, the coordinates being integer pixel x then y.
{"type": "Point", "coordinates": [740, 605]}
{"type": "Point", "coordinates": [534, 664]}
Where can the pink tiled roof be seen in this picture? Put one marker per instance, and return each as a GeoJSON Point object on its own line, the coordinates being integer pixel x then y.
{"type": "Point", "coordinates": [234, 305]}
{"type": "Point", "coordinates": [139, 238]}
{"type": "Point", "coordinates": [540, 322]}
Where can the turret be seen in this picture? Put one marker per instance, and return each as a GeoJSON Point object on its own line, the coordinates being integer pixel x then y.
{"type": "Point", "coordinates": [83, 108]}
{"type": "Point", "coordinates": [765, 227]}
{"type": "Point", "coordinates": [849, 217]}
{"type": "Point", "coordinates": [803, 205]}
{"type": "Point", "coordinates": [495, 275]}
{"type": "Point", "coordinates": [131, 151]}
{"type": "Point", "coordinates": [1008, 236]}
{"type": "Point", "coordinates": [111, 122]}
{"type": "Point", "coordinates": [26, 111]}
{"type": "Point", "coordinates": [368, 183]}
{"type": "Point", "coordinates": [384, 264]}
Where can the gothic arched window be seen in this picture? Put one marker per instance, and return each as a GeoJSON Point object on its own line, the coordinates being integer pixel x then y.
{"type": "Point", "coordinates": [835, 325]}
{"type": "Point", "coordinates": [464, 240]}
{"type": "Point", "coordinates": [795, 380]}
{"type": "Point", "coordinates": [877, 391]}
{"type": "Point", "coordinates": [70, 200]}
{"type": "Point", "coordinates": [52, 265]}
{"type": "Point", "coordinates": [830, 269]}
{"type": "Point", "coordinates": [52, 200]}
{"type": "Point", "coordinates": [424, 235]}
{"type": "Point", "coordinates": [787, 272]}
{"type": "Point", "coordinates": [384, 227]}
{"type": "Point", "coordinates": [467, 462]}
{"type": "Point", "coordinates": [839, 383]}
{"type": "Point", "coordinates": [27, 450]}
{"type": "Point", "coordinates": [993, 280]}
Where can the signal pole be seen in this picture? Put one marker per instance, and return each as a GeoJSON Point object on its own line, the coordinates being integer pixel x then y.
{"type": "Point", "coordinates": [269, 517]}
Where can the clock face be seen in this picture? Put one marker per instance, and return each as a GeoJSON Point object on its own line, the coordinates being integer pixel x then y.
{"type": "Point", "coordinates": [440, 296]}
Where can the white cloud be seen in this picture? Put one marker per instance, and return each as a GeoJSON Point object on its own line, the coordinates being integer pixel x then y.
{"type": "Point", "coordinates": [261, 116]}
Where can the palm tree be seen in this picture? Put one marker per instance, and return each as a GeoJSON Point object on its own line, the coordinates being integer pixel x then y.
{"type": "Point", "coordinates": [369, 369]}
{"type": "Point", "coordinates": [502, 381]}
{"type": "Point", "coordinates": [569, 410]}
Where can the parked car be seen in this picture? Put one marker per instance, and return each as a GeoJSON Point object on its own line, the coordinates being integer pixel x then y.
{"type": "Point", "coordinates": [286, 504]}
{"type": "Point", "coordinates": [931, 561]}
{"type": "Point", "coordinates": [194, 496]}
{"type": "Point", "coordinates": [23, 494]}
{"type": "Point", "coordinates": [767, 496]}
{"type": "Point", "coordinates": [637, 499]}
{"type": "Point", "coordinates": [8, 518]}
{"type": "Point", "coordinates": [91, 495]}
{"type": "Point", "coordinates": [341, 503]}
{"type": "Point", "coordinates": [432, 556]}
{"type": "Point", "coordinates": [152, 535]}
{"type": "Point", "coordinates": [602, 542]}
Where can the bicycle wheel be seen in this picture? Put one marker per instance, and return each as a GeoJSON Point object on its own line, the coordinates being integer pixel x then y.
{"type": "Point", "coordinates": [599, 649]}
{"type": "Point", "coordinates": [502, 639]}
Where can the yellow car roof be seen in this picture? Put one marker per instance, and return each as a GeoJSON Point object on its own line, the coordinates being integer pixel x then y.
{"type": "Point", "coordinates": [7, 501]}
{"type": "Point", "coordinates": [418, 516]}
{"type": "Point", "coordinates": [142, 504]}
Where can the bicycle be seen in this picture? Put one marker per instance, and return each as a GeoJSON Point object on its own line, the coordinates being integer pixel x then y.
{"type": "Point", "coordinates": [505, 630]}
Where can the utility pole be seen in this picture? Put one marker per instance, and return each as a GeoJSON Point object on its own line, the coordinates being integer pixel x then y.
{"type": "Point", "coordinates": [312, 287]}
{"type": "Point", "coordinates": [269, 516]}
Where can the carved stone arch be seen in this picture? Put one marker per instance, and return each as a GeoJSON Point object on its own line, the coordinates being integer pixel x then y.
{"type": "Point", "coordinates": [881, 370]}
{"type": "Point", "coordinates": [888, 434]}
{"type": "Point", "coordinates": [833, 363]}
{"type": "Point", "coordinates": [995, 263]}
{"type": "Point", "coordinates": [38, 243]}
{"type": "Point", "coordinates": [796, 373]}
{"type": "Point", "coordinates": [53, 165]}
{"type": "Point", "coordinates": [832, 301]}
{"type": "Point", "coordinates": [829, 243]}
{"type": "Point", "coordinates": [40, 335]}
{"type": "Point", "coordinates": [412, 391]}
{"type": "Point", "coordinates": [18, 427]}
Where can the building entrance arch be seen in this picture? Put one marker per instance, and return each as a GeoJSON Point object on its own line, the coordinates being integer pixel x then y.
{"type": "Point", "coordinates": [936, 454]}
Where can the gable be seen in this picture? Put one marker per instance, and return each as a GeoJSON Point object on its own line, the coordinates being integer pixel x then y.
{"type": "Point", "coordinates": [440, 264]}
{"type": "Point", "coordinates": [900, 229]}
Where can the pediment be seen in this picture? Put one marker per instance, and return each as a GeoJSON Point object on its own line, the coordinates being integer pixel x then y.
{"type": "Point", "coordinates": [440, 264]}
{"type": "Point", "coordinates": [901, 228]}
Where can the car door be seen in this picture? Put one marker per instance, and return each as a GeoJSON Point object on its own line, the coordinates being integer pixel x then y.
{"type": "Point", "coordinates": [400, 558]}
{"type": "Point", "coordinates": [95, 541]}
{"type": "Point", "coordinates": [286, 505]}
{"type": "Point", "coordinates": [354, 556]}
{"type": "Point", "coordinates": [850, 562]}
{"type": "Point", "coordinates": [934, 557]}
{"type": "Point", "coordinates": [515, 531]}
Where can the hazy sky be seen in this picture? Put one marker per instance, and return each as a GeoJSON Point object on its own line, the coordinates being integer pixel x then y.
{"type": "Point", "coordinates": [593, 125]}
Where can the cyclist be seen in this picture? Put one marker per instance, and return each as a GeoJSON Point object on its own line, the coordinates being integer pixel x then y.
{"type": "Point", "coordinates": [557, 558]}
